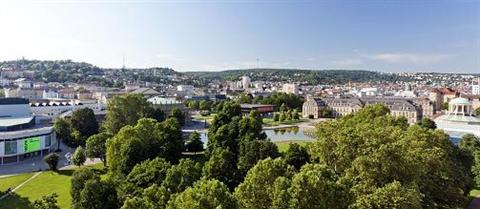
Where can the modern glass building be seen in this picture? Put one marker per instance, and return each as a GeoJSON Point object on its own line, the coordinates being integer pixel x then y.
{"type": "Point", "coordinates": [22, 135]}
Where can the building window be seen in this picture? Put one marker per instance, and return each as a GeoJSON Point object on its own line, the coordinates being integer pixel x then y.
{"type": "Point", "coordinates": [10, 147]}
{"type": "Point", "coordinates": [48, 141]}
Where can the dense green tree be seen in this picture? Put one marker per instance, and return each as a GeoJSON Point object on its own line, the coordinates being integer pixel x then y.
{"type": "Point", "coordinates": [257, 190]}
{"type": "Point", "coordinates": [178, 114]}
{"type": "Point", "coordinates": [182, 175]}
{"type": "Point", "coordinates": [52, 161]}
{"type": "Point", "coordinates": [315, 186]}
{"type": "Point", "coordinates": [282, 117]}
{"type": "Point", "coordinates": [158, 115]}
{"type": "Point", "coordinates": [282, 108]}
{"type": "Point", "coordinates": [295, 115]}
{"type": "Point", "coordinates": [96, 146]}
{"type": "Point", "coordinates": [244, 98]}
{"type": "Point", "coordinates": [126, 110]}
{"type": "Point", "coordinates": [280, 195]}
{"type": "Point", "coordinates": [46, 202]}
{"type": "Point", "coordinates": [78, 181]}
{"type": "Point", "coordinates": [143, 175]}
{"type": "Point", "coordinates": [276, 116]}
{"type": "Point", "coordinates": [84, 121]}
{"type": "Point", "coordinates": [477, 112]}
{"type": "Point", "coordinates": [62, 130]}
{"type": "Point", "coordinates": [222, 166]}
{"type": "Point", "coordinates": [296, 155]}
{"type": "Point", "coordinates": [427, 123]}
{"type": "Point", "coordinates": [476, 167]}
{"type": "Point", "coordinates": [469, 143]}
{"type": "Point", "coordinates": [147, 140]}
{"type": "Point", "coordinates": [98, 194]}
{"type": "Point", "coordinates": [153, 197]}
{"type": "Point", "coordinates": [392, 195]}
{"type": "Point", "coordinates": [205, 194]}
{"type": "Point", "coordinates": [371, 149]}
{"type": "Point", "coordinates": [326, 113]}
{"type": "Point", "coordinates": [250, 128]}
{"type": "Point", "coordinates": [194, 144]}
{"type": "Point", "coordinates": [195, 105]}
{"type": "Point", "coordinates": [253, 151]}
{"type": "Point", "coordinates": [204, 105]}
{"type": "Point", "coordinates": [79, 157]}
{"type": "Point", "coordinates": [290, 101]}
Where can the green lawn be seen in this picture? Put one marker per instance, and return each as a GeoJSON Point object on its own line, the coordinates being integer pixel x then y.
{"type": "Point", "coordinates": [283, 145]}
{"type": "Point", "coordinates": [44, 184]}
{"type": "Point", "coordinates": [13, 181]}
{"type": "Point", "coordinates": [209, 118]}
{"type": "Point", "coordinates": [475, 192]}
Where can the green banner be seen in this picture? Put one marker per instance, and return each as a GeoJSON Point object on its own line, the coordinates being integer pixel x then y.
{"type": "Point", "coordinates": [31, 144]}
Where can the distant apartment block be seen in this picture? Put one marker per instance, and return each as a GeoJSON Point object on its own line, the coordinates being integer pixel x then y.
{"type": "Point", "coordinates": [290, 88]}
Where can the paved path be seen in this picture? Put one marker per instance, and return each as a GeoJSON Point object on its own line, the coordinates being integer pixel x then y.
{"type": "Point", "coordinates": [20, 185]}
{"type": "Point", "coordinates": [34, 164]}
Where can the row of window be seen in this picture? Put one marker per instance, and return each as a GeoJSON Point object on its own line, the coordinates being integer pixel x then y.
{"type": "Point", "coordinates": [11, 146]}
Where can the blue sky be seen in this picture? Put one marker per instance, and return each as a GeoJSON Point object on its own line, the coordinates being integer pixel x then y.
{"type": "Point", "coordinates": [390, 35]}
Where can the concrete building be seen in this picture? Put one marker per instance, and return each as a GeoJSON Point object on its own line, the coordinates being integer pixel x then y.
{"type": "Point", "coordinates": [168, 104]}
{"type": "Point", "coordinates": [246, 82]}
{"type": "Point", "coordinates": [185, 91]}
{"type": "Point", "coordinates": [22, 135]}
{"type": "Point", "coordinates": [476, 87]}
{"type": "Point", "coordinates": [290, 88]}
{"type": "Point", "coordinates": [312, 107]}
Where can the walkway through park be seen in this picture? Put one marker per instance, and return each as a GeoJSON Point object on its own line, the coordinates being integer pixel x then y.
{"type": "Point", "coordinates": [20, 185]}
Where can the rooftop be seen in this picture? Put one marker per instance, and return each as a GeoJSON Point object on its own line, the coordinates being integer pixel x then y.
{"type": "Point", "coordinates": [12, 101]}
{"type": "Point", "coordinates": [162, 100]}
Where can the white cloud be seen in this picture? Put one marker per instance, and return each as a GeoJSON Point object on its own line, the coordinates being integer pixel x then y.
{"type": "Point", "coordinates": [410, 58]}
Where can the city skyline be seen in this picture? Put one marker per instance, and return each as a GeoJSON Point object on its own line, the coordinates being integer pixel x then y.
{"type": "Point", "coordinates": [393, 36]}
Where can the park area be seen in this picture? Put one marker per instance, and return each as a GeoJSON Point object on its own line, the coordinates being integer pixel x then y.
{"type": "Point", "coordinates": [38, 184]}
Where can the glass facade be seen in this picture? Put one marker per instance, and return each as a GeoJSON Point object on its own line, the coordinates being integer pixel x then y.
{"type": "Point", "coordinates": [10, 147]}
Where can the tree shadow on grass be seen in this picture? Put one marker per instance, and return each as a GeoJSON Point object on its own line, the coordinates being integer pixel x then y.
{"type": "Point", "coordinates": [14, 201]}
{"type": "Point", "coordinates": [70, 172]}
{"type": "Point", "coordinates": [65, 172]}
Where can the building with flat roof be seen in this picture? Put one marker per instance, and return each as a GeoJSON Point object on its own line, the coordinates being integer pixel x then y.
{"type": "Point", "coordinates": [22, 135]}
{"type": "Point", "coordinates": [264, 110]}
{"type": "Point", "coordinates": [166, 105]}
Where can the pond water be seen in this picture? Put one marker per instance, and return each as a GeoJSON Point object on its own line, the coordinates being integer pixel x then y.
{"type": "Point", "coordinates": [298, 134]}
{"type": "Point", "coordinates": [282, 134]}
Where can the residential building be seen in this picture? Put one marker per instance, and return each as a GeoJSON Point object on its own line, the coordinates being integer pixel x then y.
{"type": "Point", "coordinates": [290, 88]}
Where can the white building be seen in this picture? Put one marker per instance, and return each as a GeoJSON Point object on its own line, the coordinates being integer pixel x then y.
{"type": "Point", "coordinates": [459, 120]}
{"type": "Point", "coordinates": [56, 109]}
{"type": "Point", "coordinates": [476, 87]}
{"type": "Point", "coordinates": [246, 82]}
{"type": "Point", "coordinates": [185, 90]}
{"type": "Point", "coordinates": [290, 88]}
{"type": "Point", "coordinates": [50, 94]}
{"type": "Point", "coordinates": [22, 136]}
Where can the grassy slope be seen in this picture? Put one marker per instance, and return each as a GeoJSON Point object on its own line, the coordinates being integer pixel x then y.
{"type": "Point", "coordinates": [44, 184]}
{"type": "Point", "coordinates": [13, 181]}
